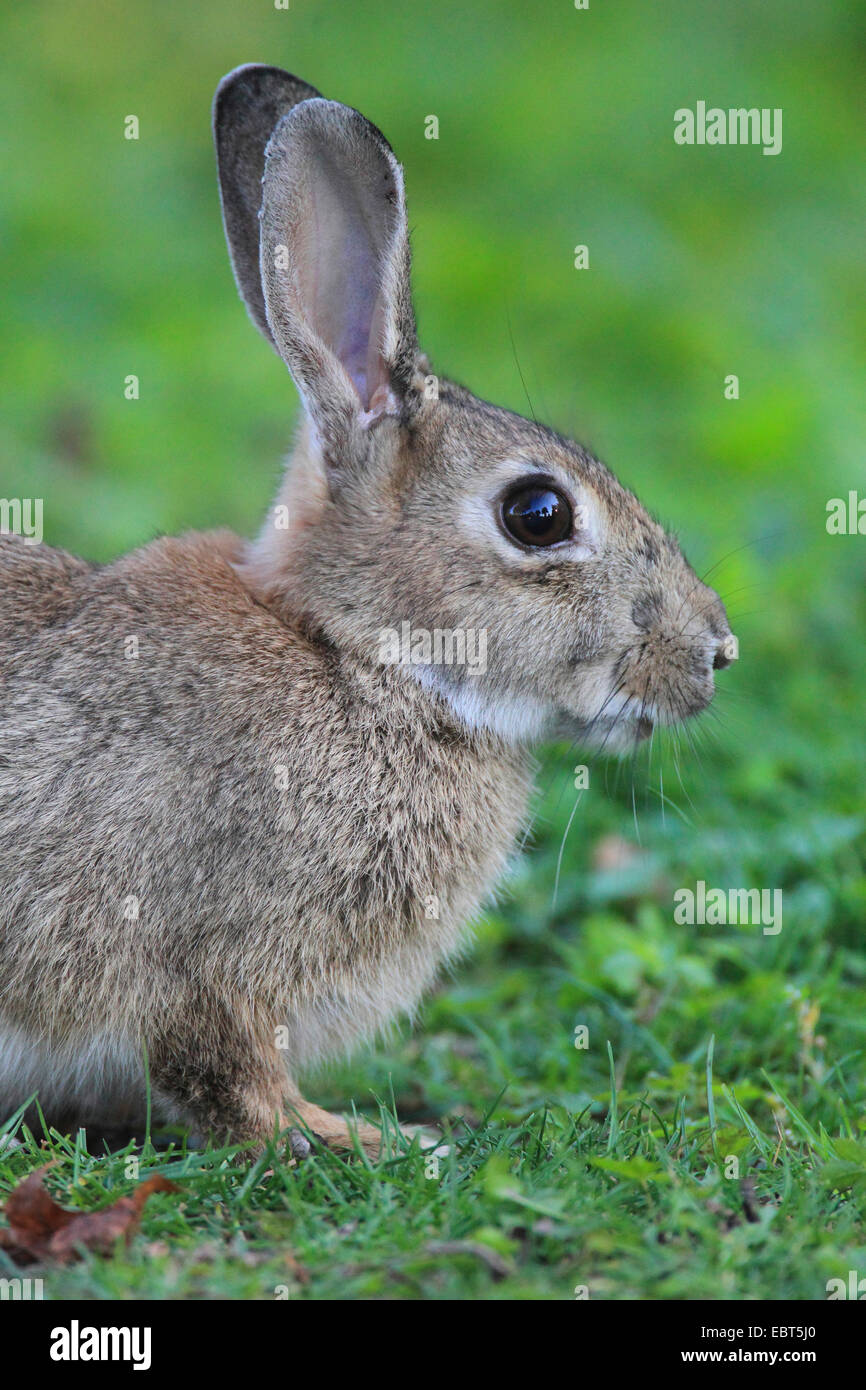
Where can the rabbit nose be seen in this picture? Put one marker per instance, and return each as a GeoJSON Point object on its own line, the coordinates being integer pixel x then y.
{"type": "Point", "coordinates": [727, 651]}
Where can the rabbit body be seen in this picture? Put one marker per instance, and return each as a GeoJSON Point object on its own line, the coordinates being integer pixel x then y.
{"type": "Point", "coordinates": [224, 819]}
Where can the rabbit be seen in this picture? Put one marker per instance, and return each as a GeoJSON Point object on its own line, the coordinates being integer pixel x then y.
{"type": "Point", "coordinates": [245, 819]}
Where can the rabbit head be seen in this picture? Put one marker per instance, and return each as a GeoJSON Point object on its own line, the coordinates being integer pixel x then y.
{"type": "Point", "coordinates": [505, 567]}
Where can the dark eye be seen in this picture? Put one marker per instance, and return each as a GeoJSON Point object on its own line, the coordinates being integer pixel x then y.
{"type": "Point", "coordinates": [536, 515]}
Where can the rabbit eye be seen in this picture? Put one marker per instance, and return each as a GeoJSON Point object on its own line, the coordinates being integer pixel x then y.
{"type": "Point", "coordinates": [536, 515]}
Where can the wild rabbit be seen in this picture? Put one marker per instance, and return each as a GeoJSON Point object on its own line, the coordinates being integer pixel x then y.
{"type": "Point", "coordinates": [245, 815]}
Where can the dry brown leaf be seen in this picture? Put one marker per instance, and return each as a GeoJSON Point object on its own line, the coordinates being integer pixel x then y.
{"type": "Point", "coordinates": [40, 1230]}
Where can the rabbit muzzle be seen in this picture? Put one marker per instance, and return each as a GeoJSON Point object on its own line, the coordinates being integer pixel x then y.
{"type": "Point", "coordinates": [667, 672]}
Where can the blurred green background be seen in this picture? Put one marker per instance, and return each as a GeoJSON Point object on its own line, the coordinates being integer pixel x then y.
{"type": "Point", "coordinates": [555, 129]}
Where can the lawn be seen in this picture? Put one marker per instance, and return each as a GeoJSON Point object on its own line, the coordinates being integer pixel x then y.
{"type": "Point", "coordinates": [633, 1107]}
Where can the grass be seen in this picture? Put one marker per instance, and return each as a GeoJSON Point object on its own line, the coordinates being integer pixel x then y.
{"type": "Point", "coordinates": [605, 1166]}
{"type": "Point", "coordinates": [624, 1199]}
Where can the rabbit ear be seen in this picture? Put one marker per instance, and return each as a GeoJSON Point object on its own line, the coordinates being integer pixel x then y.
{"type": "Point", "coordinates": [335, 270]}
{"type": "Point", "coordinates": [248, 104]}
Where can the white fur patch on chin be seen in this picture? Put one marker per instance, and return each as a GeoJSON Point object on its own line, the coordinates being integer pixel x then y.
{"type": "Point", "coordinates": [516, 719]}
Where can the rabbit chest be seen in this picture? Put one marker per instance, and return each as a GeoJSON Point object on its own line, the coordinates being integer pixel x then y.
{"type": "Point", "coordinates": [399, 826]}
